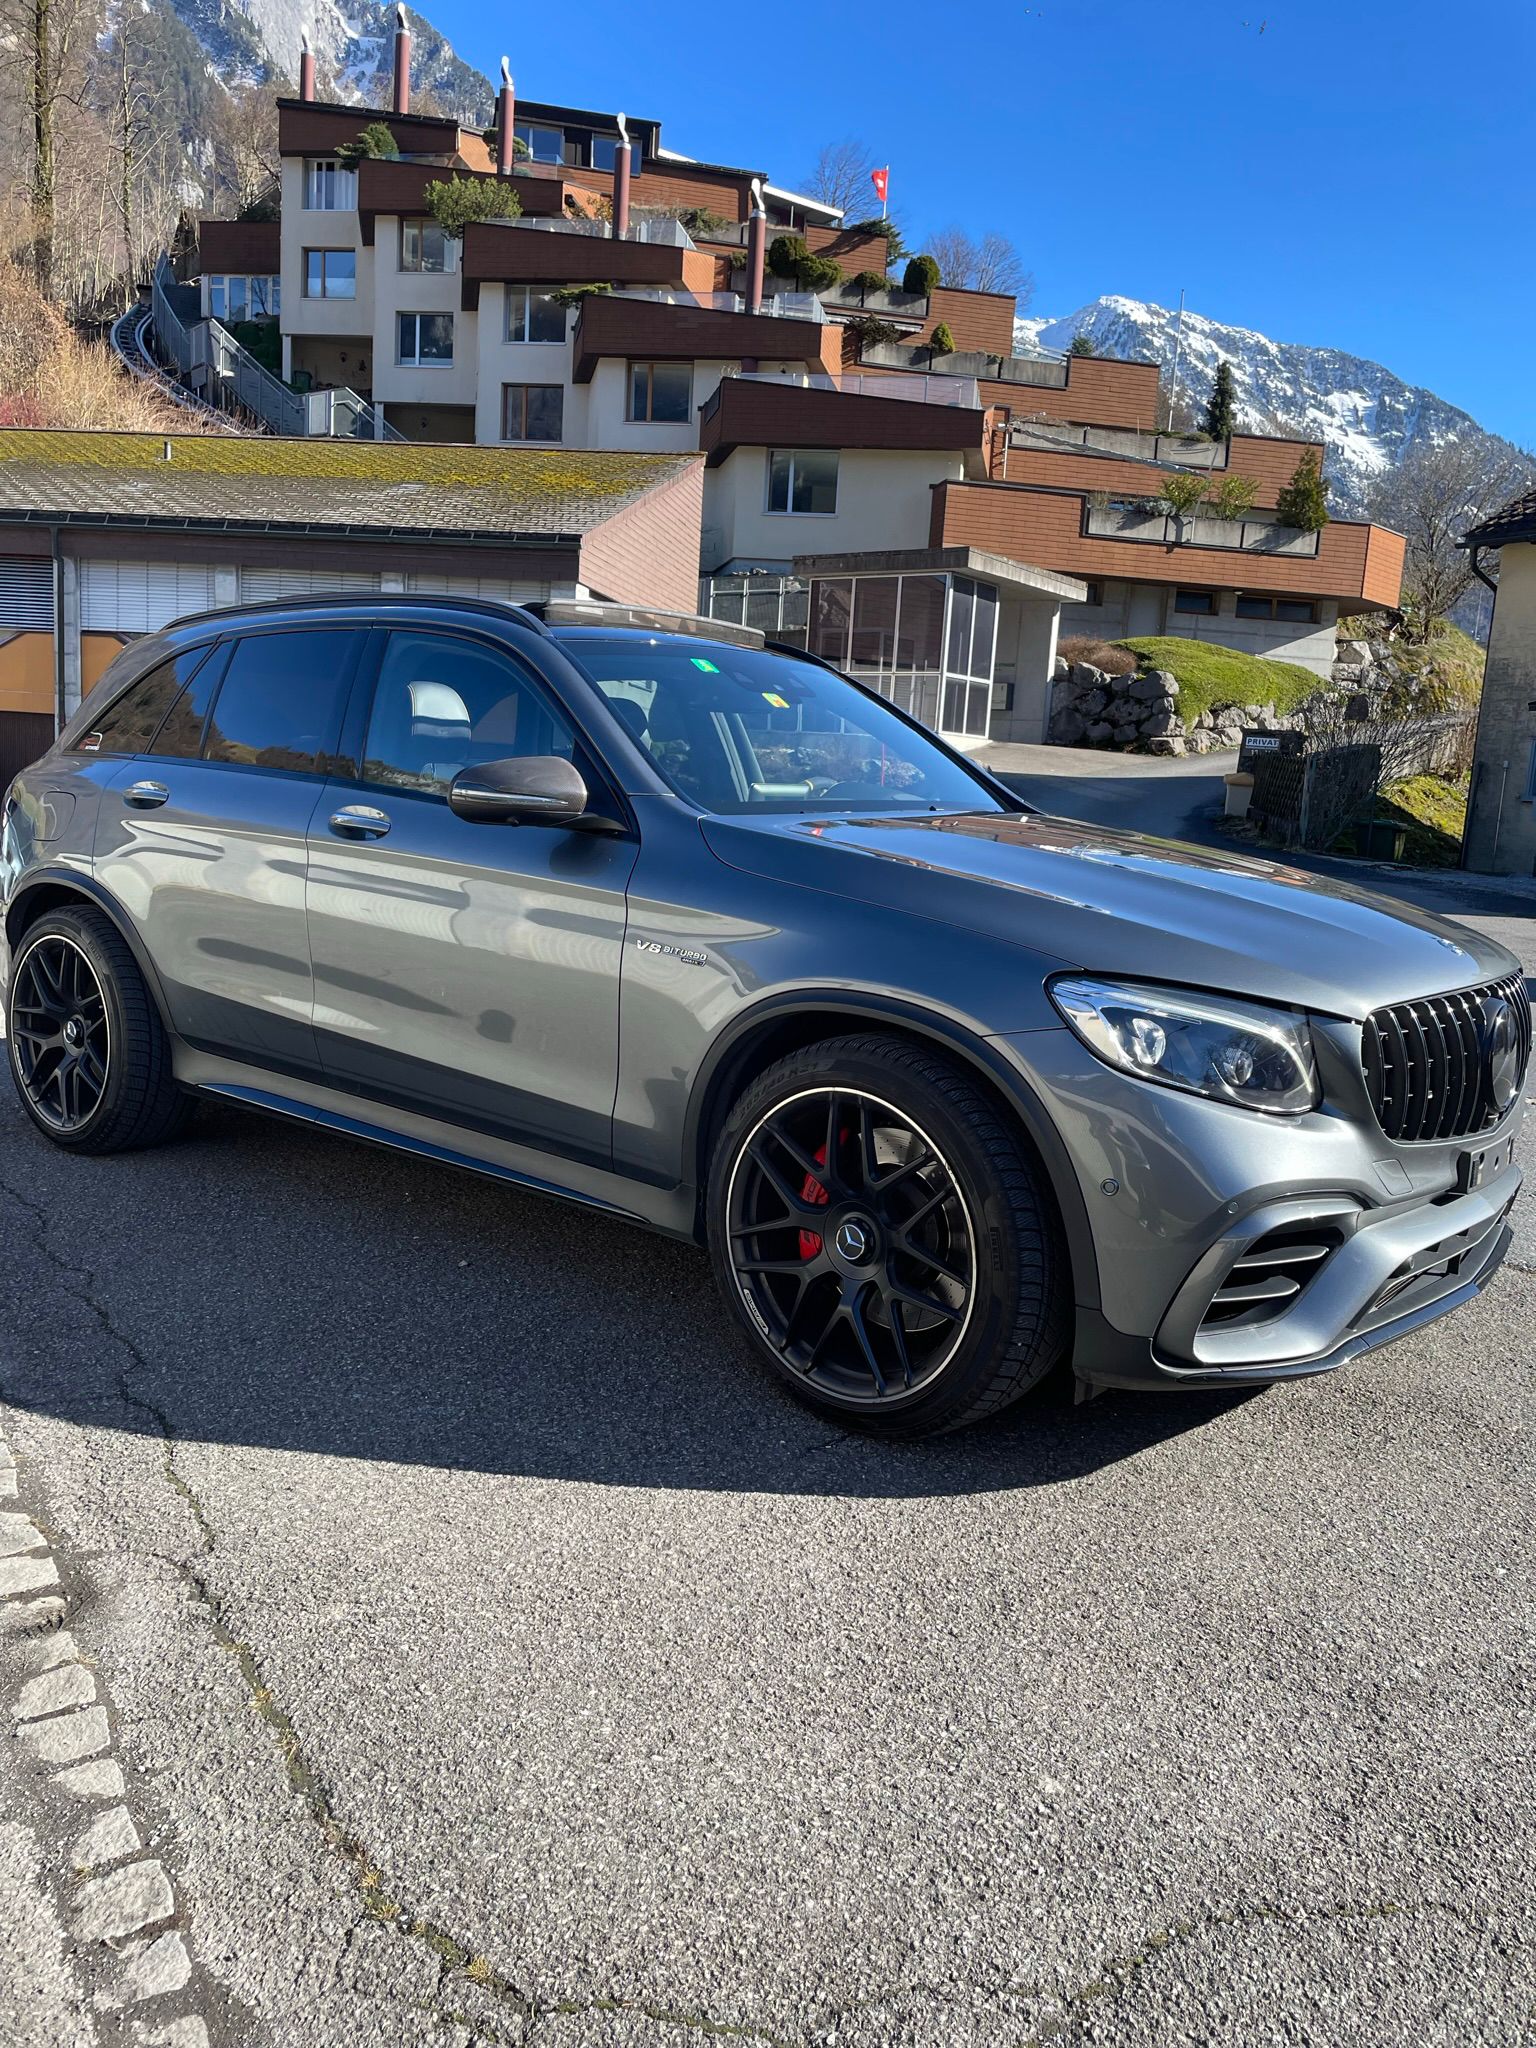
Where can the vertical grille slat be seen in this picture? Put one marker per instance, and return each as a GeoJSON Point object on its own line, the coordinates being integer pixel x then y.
{"type": "Point", "coordinates": [1424, 1067]}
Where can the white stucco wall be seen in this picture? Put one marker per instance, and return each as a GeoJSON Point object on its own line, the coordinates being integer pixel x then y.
{"type": "Point", "coordinates": [303, 230]}
{"type": "Point", "coordinates": [884, 497]}
{"type": "Point", "coordinates": [397, 291]}
{"type": "Point", "coordinates": [1134, 609]}
{"type": "Point", "coordinates": [1501, 822]}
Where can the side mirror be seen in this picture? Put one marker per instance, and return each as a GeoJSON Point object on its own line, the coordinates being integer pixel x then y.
{"type": "Point", "coordinates": [537, 789]}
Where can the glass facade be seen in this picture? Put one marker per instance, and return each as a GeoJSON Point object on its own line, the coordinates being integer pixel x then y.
{"type": "Point", "coordinates": [775, 604]}
{"type": "Point", "coordinates": [929, 643]}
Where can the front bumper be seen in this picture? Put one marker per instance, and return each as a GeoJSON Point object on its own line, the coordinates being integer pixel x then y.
{"type": "Point", "coordinates": [1186, 1197]}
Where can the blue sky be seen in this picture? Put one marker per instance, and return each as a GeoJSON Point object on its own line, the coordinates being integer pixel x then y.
{"type": "Point", "coordinates": [1360, 175]}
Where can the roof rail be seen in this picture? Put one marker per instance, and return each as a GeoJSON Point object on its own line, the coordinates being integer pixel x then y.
{"type": "Point", "coordinates": [583, 612]}
{"type": "Point", "coordinates": [366, 600]}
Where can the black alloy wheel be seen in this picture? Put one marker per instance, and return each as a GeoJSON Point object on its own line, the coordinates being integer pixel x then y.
{"type": "Point", "coordinates": [851, 1244]}
{"type": "Point", "coordinates": [61, 1033]}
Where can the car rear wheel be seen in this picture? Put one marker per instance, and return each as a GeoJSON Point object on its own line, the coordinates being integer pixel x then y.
{"type": "Point", "coordinates": [89, 1056]}
{"type": "Point", "coordinates": [886, 1240]}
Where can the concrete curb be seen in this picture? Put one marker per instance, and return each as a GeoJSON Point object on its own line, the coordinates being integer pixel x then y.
{"type": "Point", "coordinates": [125, 1921]}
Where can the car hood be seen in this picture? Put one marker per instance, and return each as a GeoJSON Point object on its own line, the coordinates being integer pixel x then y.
{"type": "Point", "coordinates": [1122, 903]}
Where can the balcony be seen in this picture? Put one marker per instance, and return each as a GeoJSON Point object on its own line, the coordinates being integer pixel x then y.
{"type": "Point", "coordinates": [1256, 534]}
{"type": "Point", "coordinates": [849, 297]}
{"type": "Point", "coordinates": [398, 185]}
{"type": "Point", "coordinates": [901, 355]}
{"type": "Point", "coordinates": [517, 252]}
{"type": "Point", "coordinates": [761, 412]}
{"type": "Point", "coordinates": [644, 328]}
{"type": "Point", "coordinates": [1128, 444]}
{"type": "Point", "coordinates": [1360, 565]}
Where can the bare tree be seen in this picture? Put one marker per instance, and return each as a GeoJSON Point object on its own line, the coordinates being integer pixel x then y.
{"type": "Point", "coordinates": [246, 165]}
{"type": "Point", "coordinates": [840, 175]}
{"type": "Point", "coordinates": [992, 264]}
{"type": "Point", "coordinates": [42, 35]}
{"type": "Point", "coordinates": [1431, 498]}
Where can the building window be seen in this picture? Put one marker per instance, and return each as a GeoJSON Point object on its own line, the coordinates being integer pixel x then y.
{"type": "Point", "coordinates": [1095, 593]}
{"type": "Point", "coordinates": [330, 273]}
{"type": "Point", "coordinates": [1201, 601]}
{"type": "Point", "coordinates": [533, 316]}
{"type": "Point", "coordinates": [329, 187]}
{"type": "Point", "coordinates": [661, 391]}
{"type": "Point", "coordinates": [426, 340]}
{"type": "Point", "coordinates": [605, 152]}
{"type": "Point", "coordinates": [1296, 611]}
{"type": "Point", "coordinates": [532, 412]}
{"type": "Point", "coordinates": [802, 480]}
{"type": "Point", "coordinates": [244, 298]}
{"type": "Point", "coordinates": [545, 145]}
{"type": "Point", "coordinates": [424, 246]}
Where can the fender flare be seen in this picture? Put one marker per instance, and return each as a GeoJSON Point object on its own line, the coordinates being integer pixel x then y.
{"type": "Point", "coordinates": [68, 882]}
{"type": "Point", "coordinates": [722, 1066]}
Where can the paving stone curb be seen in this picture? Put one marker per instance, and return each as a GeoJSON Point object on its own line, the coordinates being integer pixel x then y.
{"type": "Point", "coordinates": [122, 1909]}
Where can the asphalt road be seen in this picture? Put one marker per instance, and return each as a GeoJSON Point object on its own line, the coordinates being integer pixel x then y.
{"type": "Point", "coordinates": [495, 1652]}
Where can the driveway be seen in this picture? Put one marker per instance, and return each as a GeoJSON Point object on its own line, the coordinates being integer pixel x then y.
{"type": "Point", "coordinates": [491, 1652]}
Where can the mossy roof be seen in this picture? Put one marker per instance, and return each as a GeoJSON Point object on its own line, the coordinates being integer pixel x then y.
{"type": "Point", "coordinates": [261, 480]}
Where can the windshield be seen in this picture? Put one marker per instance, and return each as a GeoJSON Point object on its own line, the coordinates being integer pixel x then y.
{"type": "Point", "coordinates": [736, 729]}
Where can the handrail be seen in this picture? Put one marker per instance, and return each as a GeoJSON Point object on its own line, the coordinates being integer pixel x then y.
{"type": "Point", "coordinates": [233, 377]}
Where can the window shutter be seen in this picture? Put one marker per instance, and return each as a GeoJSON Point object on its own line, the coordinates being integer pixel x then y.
{"type": "Point", "coordinates": [26, 594]}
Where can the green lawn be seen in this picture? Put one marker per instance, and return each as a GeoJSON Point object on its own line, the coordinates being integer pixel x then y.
{"type": "Point", "coordinates": [1210, 675]}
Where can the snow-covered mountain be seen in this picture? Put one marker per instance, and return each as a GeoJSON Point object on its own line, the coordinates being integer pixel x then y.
{"type": "Point", "coordinates": [1368, 417]}
{"type": "Point", "coordinates": [257, 42]}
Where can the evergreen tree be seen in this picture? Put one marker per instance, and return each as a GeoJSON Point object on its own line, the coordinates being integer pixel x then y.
{"type": "Point", "coordinates": [1221, 406]}
{"type": "Point", "coordinates": [1082, 345]}
{"type": "Point", "coordinates": [1304, 501]}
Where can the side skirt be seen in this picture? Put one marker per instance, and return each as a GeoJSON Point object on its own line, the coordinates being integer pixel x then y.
{"type": "Point", "coordinates": [668, 1210]}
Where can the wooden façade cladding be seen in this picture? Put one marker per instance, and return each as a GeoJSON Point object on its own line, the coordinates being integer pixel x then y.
{"type": "Point", "coordinates": [1354, 563]}
{"type": "Point", "coordinates": [251, 247]}
{"type": "Point", "coordinates": [1269, 464]}
{"type": "Point", "coordinates": [639, 328]}
{"type": "Point", "coordinates": [788, 415]}
{"type": "Point", "coordinates": [977, 320]}
{"type": "Point", "coordinates": [319, 128]}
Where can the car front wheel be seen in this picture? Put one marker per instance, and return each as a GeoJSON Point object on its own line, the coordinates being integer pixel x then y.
{"type": "Point", "coordinates": [885, 1238]}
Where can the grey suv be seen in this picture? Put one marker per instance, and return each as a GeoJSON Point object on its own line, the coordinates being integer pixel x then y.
{"type": "Point", "coordinates": [699, 933]}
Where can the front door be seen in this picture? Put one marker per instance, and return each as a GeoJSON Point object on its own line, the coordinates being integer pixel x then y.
{"type": "Point", "coordinates": [469, 971]}
{"type": "Point", "coordinates": [202, 834]}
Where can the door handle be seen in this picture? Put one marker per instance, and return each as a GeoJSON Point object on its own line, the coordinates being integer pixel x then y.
{"type": "Point", "coordinates": [145, 796]}
{"type": "Point", "coordinates": [359, 821]}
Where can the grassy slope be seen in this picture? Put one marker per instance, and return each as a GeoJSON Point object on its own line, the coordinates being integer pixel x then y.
{"type": "Point", "coordinates": [1210, 675]}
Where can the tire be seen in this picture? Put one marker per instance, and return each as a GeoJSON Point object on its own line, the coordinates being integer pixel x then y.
{"type": "Point", "coordinates": [941, 1276]}
{"type": "Point", "coordinates": [111, 1090]}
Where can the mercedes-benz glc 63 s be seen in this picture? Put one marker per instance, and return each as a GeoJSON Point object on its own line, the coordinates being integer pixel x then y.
{"type": "Point", "coordinates": [697, 932]}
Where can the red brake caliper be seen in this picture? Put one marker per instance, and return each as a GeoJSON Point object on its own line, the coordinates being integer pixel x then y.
{"type": "Point", "coordinates": [813, 1191]}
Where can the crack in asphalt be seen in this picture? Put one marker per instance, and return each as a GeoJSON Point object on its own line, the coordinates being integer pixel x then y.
{"type": "Point", "coordinates": [377, 1891]}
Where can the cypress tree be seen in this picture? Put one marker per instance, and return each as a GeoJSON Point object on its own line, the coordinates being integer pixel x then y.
{"type": "Point", "coordinates": [1221, 406]}
{"type": "Point", "coordinates": [1304, 501]}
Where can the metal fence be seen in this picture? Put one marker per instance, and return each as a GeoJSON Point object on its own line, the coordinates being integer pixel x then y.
{"type": "Point", "coordinates": [225, 373]}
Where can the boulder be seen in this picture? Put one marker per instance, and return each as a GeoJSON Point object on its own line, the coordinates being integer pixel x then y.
{"type": "Point", "coordinates": [1252, 713]}
{"type": "Point", "coordinates": [1162, 726]}
{"type": "Point", "coordinates": [1167, 678]}
{"type": "Point", "coordinates": [1097, 733]}
{"type": "Point", "coordinates": [1170, 743]}
{"type": "Point", "coordinates": [1200, 742]}
{"type": "Point", "coordinates": [1067, 729]}
{"type": "Point", "coordinates": [1154, 684]}
{"type": "Point", "coordinates": [1084, 676]}
{"type": "Point", "coordinates": [1091, 704]}
{"type": "Point", "coordinates": [1204, 722]}
{"type": "Point", "coordinates": [1354, 653]}
{"type": "Point", "coordinates": [1121, 685]}
{"type": "Point", "coordinates": [1062, 667]}
{"type": "Point", "coordinates": [1350, 673]}
{"type": "Point", "coordinates": [1125, 736]}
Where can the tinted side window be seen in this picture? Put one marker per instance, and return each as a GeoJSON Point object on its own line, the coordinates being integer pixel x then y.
{"type": "Point", "coordinates": [443, 704]}
{"type": "Point", "coordinates": [130, 725]}
{"type": "Point", "coordinates": [282, 700]}
{"type": "Point", "coordinates": [181, 736]}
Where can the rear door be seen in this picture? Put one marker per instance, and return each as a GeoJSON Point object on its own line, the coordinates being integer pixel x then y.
{"type": "Point", "coordinates": [466, 970]}
{"type": "Point", "coordinates": [202, 837]}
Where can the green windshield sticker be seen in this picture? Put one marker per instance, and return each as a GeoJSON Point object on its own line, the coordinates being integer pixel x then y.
{"type": "Point", "coordinates": [708, 667]}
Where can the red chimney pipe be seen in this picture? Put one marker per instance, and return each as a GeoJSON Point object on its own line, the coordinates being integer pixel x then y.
{"type": "Point", "coordinates": [505, 153]}
{"type": "Point", "coordinates": [621, 170]}
{"type": "Point", "coordinates": [757, 244]}
{"type": "Point", "coordinates": [402, 99]}
{"type": "Point", "coordinates": [306, 67]}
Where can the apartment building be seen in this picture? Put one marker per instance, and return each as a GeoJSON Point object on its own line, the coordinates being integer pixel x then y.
{"type": "Point", "coordinates": [632, 305]}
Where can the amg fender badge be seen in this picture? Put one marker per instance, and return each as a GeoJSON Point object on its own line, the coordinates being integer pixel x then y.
{"type": "Point", "coordinates": [687, 953]}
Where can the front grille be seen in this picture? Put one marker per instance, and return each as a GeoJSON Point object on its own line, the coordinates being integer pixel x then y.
{"type": "Point", "coordinates": [1269, 1276]}
{"type": "Point", "coordinates": [1424, 1064]}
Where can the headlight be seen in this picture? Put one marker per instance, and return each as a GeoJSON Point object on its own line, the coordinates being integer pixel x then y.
{"type": "Point", "coordinates": [1234, 1052]}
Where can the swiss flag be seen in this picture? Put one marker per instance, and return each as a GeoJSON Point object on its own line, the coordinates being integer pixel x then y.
{"type": "Point", "coordinates": [881, 181]}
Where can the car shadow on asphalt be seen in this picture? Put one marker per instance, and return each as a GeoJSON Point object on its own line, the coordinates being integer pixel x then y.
{"type": "Point", "coordinates": [261, 1285]}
